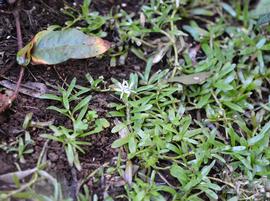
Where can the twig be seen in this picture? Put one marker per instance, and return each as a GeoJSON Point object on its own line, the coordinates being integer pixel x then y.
{"type": "Point", "coordinates": [83, 181]}
{"type": "Point", "coordinates": [20, 46]}
{"type": "Point", "coordinates": [223, 182]}
{"type": "Point", "coordinates": [166, 181]}
{"type": "Point", "coordinates": [16, 14]}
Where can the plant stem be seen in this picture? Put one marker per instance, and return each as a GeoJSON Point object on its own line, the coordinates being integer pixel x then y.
{"type": "Point", "coordinates": [16, 15]}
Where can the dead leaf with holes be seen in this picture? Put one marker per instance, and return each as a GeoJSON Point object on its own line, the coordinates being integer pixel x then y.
{"type": "Point", "coordinates": [196, 78]}
{"type": "Point", "coordinates": [53, 47]}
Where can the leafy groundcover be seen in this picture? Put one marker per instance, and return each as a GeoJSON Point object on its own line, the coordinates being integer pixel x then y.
{"type": "Point", "coordinates": [195, 129]}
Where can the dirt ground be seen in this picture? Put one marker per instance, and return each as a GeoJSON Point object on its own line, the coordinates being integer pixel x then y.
{"type": "Point", "coordinates": [36, 15]}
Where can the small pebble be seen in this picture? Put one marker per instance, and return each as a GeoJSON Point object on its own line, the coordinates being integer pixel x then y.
{"type": "Point", "coordinates": [137, 68]}
{"type": "Point", "coordinates": [53, 157]}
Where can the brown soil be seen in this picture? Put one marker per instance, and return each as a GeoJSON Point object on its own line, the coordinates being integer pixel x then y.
{"type": "Point", "coordinates": [36, 15]}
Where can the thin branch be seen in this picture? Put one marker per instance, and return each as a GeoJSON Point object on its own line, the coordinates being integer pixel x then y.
{"type": "Point", "coordinates": [16, 14]}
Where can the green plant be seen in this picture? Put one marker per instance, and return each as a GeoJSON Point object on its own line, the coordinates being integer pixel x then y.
{"type": "Point", "coordinates": [26, 190]}
{"type": "Point", "coordinates": [199, 131]}
{"type": "Point", "coordinates": [20, 147]}
{"type": "Point", "coordinates": [155, 124]}
{"type": "Point", "coordinates": [90, 22]}
{"type": "Point", "coordinates": [86, 195]}
{"type": "Point", "coordinates": [155, 19]}
{"type": "Point", "coordinates": [158, 131]}
{"type": "Point", "coordinates": [85, 122]}
{"type": "Point", "coordinates": [148, 190]}
{"type": "Point", "coordinates": [131, 31]}
{"type": "Point", "coordinates": [22, 184]}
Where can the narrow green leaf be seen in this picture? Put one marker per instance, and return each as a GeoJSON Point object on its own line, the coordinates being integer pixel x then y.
{"type": "Point", "coordinates": [205, 171]}
{"type": "Point", "coordinates": [51, 97]}
{"type": "Point", "coordinates": [82, 113]}
{"type": "Point", "coordinates": [119, 127]}
{"type": "Point", "coordinates": [211, 194]}
{"type": "Point", "coordinates": [132, 144]}
{"type": "Point", "coordinates": [120, 142]}
{"type": "Point", "coordinates": [139, 53]}
{"type": "Point", "coordinates": [264, 19]}
{"type": "Point", "coordinates": [254, 140]}
{"type": "Point", "coordinates": [71, 87]}
{"type": "Point", "coordinates": [82, 104]}
{"type": "Point", "coordinates": [70, 154]}
{"type": "Point", "coordinates": [223, 86]}
{"type": "Point", "coordinates": [179, 173]}
{"type": "Point", "coordinates": [228, 9]}
{"type": "Point", "coordinates": [62, 111]}
{"type": "Point", "coordinates": [148, 69]}
{"type": "Point", "coordinates": [235, 198]}
{"type": "Point", "coordinates": [85, 8]}
{"type": "Point", "coordinates": [204, 100]}
{"type": "Point", "coordinates": [261, 43]}
{"type": "Point", "coordinates": [66, 102]}
{"type": "Point", "coordinates": [51, 137]}
{"type": "Point", "coordinates": [234, 106]}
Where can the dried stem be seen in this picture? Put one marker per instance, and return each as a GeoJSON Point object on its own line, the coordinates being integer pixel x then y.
{"type": "Point", "coordinates": [16, 14]}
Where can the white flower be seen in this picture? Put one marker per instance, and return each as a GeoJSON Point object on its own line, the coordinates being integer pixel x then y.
{"type": "Point", "coordinates": [123, 88]}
